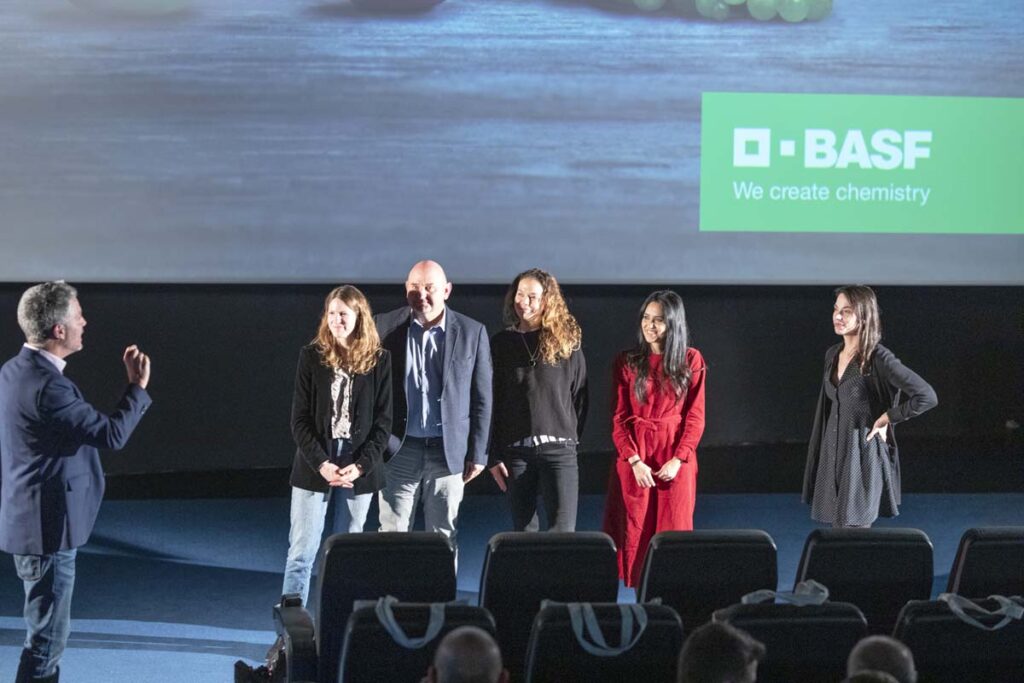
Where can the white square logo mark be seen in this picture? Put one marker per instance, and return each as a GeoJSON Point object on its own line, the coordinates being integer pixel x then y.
{"type": "Point", "coordinates": [751, 147]}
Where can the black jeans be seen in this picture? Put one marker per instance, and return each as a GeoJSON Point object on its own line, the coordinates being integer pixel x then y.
{"type": "Point", "coordinates": [550, 471]}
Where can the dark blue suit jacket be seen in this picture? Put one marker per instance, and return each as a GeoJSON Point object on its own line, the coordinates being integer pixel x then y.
{"type": "Point", "coordinates": [466, 391]}
{"type": "Point", "coordinates": [51, 479]}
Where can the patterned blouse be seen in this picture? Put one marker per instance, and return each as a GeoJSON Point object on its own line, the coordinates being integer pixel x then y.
{"type": "Point", "coordinates": [341, 397]}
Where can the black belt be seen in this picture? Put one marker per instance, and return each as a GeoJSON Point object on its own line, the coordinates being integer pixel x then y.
{"type": "Point", "coordinates": [426, 441]}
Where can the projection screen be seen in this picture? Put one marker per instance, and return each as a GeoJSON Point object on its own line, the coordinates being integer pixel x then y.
{"type": "Point", "coordinates": [312, 141]}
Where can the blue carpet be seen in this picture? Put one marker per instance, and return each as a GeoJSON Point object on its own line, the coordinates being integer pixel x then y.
{"type": "Point", "coordinates": [179, 589]}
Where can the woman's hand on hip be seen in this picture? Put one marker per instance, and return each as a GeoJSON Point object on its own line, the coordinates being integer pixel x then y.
{"type": "Point", "coordinates": [879, 428]}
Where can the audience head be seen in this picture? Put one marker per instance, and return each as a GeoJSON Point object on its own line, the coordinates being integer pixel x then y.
{"type": "Point", "coordinates": [870, 677]}
{"type": "Point", "coordinates": [882, 653]}
{"type": "Point", "coordinates": [719, 653]}
{"type": "Point", "coordinates": [467, 655]}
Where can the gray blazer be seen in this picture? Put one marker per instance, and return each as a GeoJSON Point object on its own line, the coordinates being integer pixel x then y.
{"type": "Point", "coordinates": [466, 391]}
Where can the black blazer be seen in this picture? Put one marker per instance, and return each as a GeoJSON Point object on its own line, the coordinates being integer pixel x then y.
{"type": "Point", "coordinates": [370, 408]}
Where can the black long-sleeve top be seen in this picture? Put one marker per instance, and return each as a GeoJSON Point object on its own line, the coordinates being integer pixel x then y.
{"type": "Point", "coordinates": [531, 397]}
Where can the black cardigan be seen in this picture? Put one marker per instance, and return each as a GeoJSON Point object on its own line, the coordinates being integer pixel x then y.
{"type": "Point", "coordinates": [887, 379]}
{"type": "Point", "coordinates": [370, 408]}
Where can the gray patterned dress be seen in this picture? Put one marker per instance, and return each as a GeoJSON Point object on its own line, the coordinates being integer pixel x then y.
{"type": "Point", "coordinates": [849, 481]}
{"type": "Point", "coordinates": [853, 474]}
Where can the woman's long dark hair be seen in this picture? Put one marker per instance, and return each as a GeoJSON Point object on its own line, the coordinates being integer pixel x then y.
{"type": "Point", "coordinates": [869, 318]}
{"type": "Point", "coordinates": [674, 368]}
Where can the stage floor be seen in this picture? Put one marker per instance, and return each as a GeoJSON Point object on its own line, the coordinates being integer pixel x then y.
{"type": "Point", "coordinates": [186, 586]}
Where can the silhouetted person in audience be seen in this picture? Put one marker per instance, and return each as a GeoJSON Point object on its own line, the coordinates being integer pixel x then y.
{"type": "Point", "coordinates": [467, 655]}
{"type": "Point", "coordinates": [882, 653]}
{"type": "Point", "coordinates": [871, 677]}
{"type": "Point", "coordinates": [719, 653]}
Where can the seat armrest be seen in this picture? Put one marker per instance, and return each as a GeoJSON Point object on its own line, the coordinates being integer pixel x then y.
{"type": "Point", "coordinates": [295, 625]}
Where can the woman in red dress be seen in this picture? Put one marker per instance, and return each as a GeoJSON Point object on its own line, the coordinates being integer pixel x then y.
{"type": "Point", "coordinates": [657, 423]}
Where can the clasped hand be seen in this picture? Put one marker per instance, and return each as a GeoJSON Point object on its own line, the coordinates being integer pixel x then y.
{"type": "Point", "coordinates": [340, 476]}
{"type": "Point", "coordinates": [645, 476]}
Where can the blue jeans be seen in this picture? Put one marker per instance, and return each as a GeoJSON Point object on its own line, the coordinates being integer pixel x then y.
{"type": "Point", "coordinates": [308, 511]}
{"type": "Point", "coordinates": [49, 582]}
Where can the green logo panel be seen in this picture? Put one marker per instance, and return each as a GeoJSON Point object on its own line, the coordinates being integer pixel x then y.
{"type": "Point", "coordinates": [861, 163]}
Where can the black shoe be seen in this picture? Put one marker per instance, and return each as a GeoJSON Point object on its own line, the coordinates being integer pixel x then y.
{"type": "Point", "coordinates": [246, 674]}
{"type": "Point", "coordinates": [24, 674]}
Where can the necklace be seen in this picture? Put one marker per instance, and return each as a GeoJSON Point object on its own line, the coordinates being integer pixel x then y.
{"type": "Point", "coordinates": [532, 354]}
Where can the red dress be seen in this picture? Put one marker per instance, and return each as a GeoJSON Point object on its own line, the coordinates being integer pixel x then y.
{"type": "Point", "coordinates": [661, 428]}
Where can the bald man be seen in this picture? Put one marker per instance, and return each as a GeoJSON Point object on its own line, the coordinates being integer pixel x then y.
{"type": "Point", "coordinates": [467, 655]}
{"type": "Point", "coordinates": [442, 404]}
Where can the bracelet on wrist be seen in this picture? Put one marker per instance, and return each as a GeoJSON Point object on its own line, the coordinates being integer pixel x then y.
{"type": "Point", "coordinates": [634, 460]}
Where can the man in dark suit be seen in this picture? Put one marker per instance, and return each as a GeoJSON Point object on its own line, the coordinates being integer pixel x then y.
{"type": "Point", "coordinates": [51, 479]}
{"type": "Point", "coordinates": [441, 379]}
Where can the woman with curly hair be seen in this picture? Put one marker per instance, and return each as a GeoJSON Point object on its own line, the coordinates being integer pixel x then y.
{"type": "Point", "coordinates": [540, 403]}
{"type": "Point", "coordinates": [657, 422]}
{"type": "Point", "coordinates": [341, 420]}
{"type": "Point", "coordinates": [853, 468]}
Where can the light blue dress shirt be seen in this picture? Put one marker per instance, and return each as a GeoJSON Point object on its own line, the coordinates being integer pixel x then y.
{"type": "Point", "coordinates": [424, 373]}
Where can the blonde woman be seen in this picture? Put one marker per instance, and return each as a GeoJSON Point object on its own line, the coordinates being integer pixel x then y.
{"type": "Point", "coordinates": [853, 467]}
{"type": "Point", "coordinates": [341, 419]}
{"type": "Point", "coordinates": [540, 403]}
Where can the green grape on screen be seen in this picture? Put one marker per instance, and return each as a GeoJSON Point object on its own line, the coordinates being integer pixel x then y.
{"type": "Point", "coordinates": [819, 9]}
{"type": "Point", "coordinates": [763, 10]}
{"type": "Point", "coordinates": [794, 10]}
{"type": "Point", "coordinates": [684, 6]}
{"type": "Point", "coordinates": [649, 5]}
{"type": "Point", "coordinates": [735, 2]}
{"type": "Point", "coordinates": [713, 9]}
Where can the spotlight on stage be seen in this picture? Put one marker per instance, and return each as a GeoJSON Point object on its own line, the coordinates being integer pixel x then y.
{"type": "Point", "coordinates": [395, 5]}
{"type": "Point", "coordinates": [134, 8]}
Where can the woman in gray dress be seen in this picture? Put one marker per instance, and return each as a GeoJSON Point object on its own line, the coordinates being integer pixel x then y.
{"type": "Point", "coordinates": [853, 468]}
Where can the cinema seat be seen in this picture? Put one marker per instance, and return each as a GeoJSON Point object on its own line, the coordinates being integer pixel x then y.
{"type": "Point", "coordinates": [413, 567]}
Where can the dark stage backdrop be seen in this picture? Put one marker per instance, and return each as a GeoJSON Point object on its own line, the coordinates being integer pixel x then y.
{"type": "Point", "coordinates": [224, 361]}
